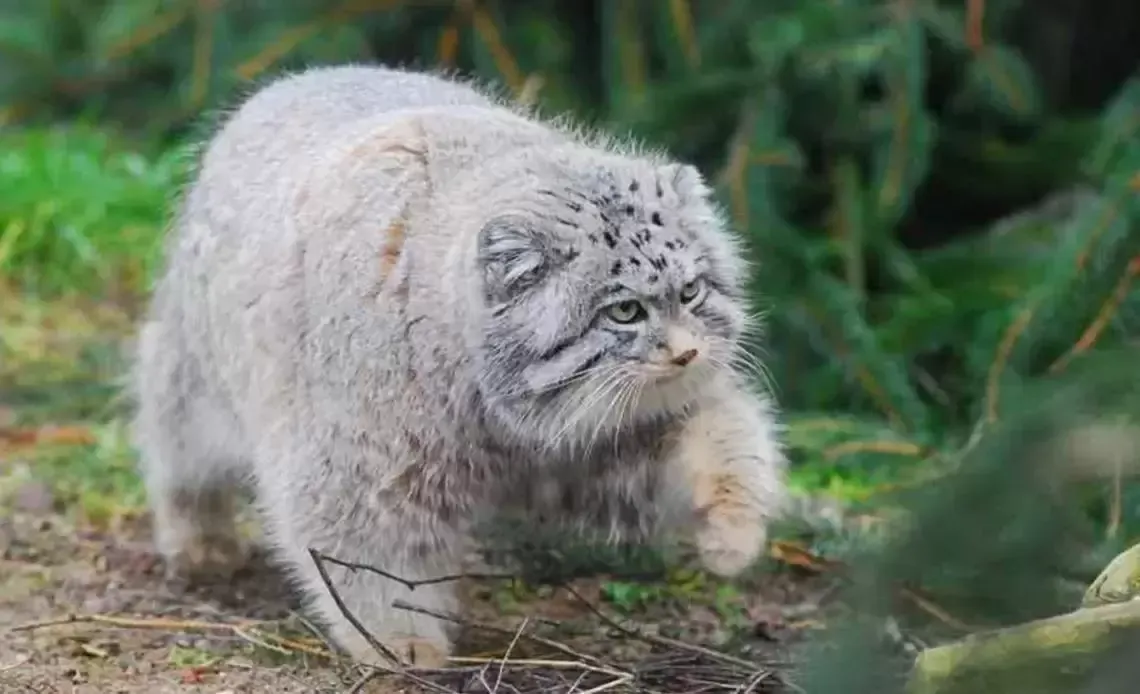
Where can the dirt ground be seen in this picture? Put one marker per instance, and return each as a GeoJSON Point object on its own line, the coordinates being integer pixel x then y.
{"type": "Point", "coordinates": [135, 631]}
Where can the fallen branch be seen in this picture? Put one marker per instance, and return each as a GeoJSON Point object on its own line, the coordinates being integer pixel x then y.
{"type": "Point", "coordinates": [247, 630]}
{"type": "Point", "coordinates": [541, 662]}
{"type": "Point", "coordinates": [410, 584]}
{"type": "Point", "coordinates": [929, 607]}
{"type": "Point", "coordinates": [1044, 656]}
{"type": "Point", "coordinates": [136, 623]}
{"type": "Point", "coordinates": [397, 667]}
{"type": "Point", "coordinates": [376, 645]}
{"type": "Point", "coordinates": [507, 653]}
{"type": "Point", "coordinates": [662, 641]}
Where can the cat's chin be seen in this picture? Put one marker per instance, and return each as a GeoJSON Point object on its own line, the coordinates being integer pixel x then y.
{"type": "Point", "coordinates": [666, 398]}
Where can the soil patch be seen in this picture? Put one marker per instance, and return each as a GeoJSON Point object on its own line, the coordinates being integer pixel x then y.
{"type": "Point", "coordinates": [135, 631]}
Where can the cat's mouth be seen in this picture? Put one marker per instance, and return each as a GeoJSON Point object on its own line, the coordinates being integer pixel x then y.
{"type": "Point", "coordinates": [668, 374]}
{"type": "Point", "coordinates": [672, 366]}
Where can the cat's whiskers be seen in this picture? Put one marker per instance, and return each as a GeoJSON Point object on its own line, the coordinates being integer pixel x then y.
{"type": "Point", "coordinates": [737, 356]}
{"type": "Point", "coordinates": [634, 399]}
{"type": "Point", "coordinates": [604, 381]}
{"type": "Point", "coordinates": [743, 357]}
{"type": "Point", "coordinates": [599, 373]}
{"type": "Point", "coordinates": [753, 365]}
{"type": "Point", "coordinates": [606, 400]}
{"type": "Point", "coordinates": [622, 409]}
{"type": "Point", "coordinates": [742, 364]}
{"type": "Point", "coordinates": [756, 320]}
{"type": "Point", "coordinates": [600, 410]}
{"type": "Point", "coordinates": [625, 383]}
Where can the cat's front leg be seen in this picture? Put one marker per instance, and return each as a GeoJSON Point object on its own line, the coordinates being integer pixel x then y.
{"type": "Point", "coordinates": [732, 467]}
{"type": "Point", "coordinates": [332, 504]}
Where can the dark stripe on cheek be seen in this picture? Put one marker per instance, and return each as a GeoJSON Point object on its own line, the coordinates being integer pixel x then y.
{"type": "Point", "coordinates": [622, 338]}
{"type": "Point", "coordinates": [554, 374]}
{"type": "Point", "coordinates": [566, 341]}
{"type": "Point", "coordinates": [558, 348]}
{"type": "Point", "coordinates": [718, 323]}
{"type": "Point", "coordinates": [589, 363]}
{"type": "Point", "coordinates": [717, 284]}
{"type": "Point", "coordinates": [715, 276]}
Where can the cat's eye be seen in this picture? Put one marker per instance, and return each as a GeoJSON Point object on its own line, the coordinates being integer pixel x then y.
{"type": "Point", "coordinates": [690, 291]}
{"type": "Point", "coordinates": [626, 311]}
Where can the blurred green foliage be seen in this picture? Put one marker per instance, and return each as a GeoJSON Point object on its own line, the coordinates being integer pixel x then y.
{"type": "Point", "coordinates": [942, 207]}
{"type": "Point", "coordinates": [1004, 539]}
{"type": "Point", "coordinates": [80, 209]}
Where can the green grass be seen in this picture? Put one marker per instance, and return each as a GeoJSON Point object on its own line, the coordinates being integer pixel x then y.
{"type": "Point", "coordinates": [61, 405]}
{"type": "Point", "coordinates": [81, 210]}
{"type": "Point", "coordinates": [81, 222]}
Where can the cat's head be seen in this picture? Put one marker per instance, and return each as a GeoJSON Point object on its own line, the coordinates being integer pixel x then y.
{"type": "Point", "coordinates": [612, 295]}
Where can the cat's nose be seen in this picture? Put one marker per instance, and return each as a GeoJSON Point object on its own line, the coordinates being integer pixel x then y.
{"type": "Point", "coordinates": [685, 358]}
{"type": "Point", "coordinates": [682, 347]}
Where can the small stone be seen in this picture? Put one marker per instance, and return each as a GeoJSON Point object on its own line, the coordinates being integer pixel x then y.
{"type": "Point", "coordinates": [34, 496]}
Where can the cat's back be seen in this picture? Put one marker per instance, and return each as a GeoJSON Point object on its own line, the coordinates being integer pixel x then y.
{"type": "Point", "coordinates": [313, 105]}
{"type": "Point", "coordinates": [237, 223]}
{"type": "Point", "coordinates": [287, 123]}
{"type": "Point", "coordinates": [364, 90]}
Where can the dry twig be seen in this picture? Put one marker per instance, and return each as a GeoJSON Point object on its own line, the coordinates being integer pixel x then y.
{"type": "Point", "coordinates": [408, 583]}
{"type": "Point", "coordinates": [542, 641]}
{"type": "Point", "coordinates": [661, 641]}
{"type": "Point", "coordinates": [248, 630]}
{"type": "Point", "coordinates": [685, 665]}
{"type": "Point", "coordinates": [379, 647]}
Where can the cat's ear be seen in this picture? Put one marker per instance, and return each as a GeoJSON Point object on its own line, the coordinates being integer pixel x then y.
{"type": "Point", "coordinates": [687, 181]}
{"type": "Point", "coordinates": [514, 256]}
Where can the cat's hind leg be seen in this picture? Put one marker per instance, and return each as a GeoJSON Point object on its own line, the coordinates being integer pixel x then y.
{"type": "Point", "coordinates": [190, 458]}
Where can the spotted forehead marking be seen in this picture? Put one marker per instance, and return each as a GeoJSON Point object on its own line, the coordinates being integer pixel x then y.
{"type": "Point", "coordinates": [632, 230]}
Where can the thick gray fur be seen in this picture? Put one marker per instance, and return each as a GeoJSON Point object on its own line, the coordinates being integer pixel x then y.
{"type": "Point", "coordinates": [388, 310]}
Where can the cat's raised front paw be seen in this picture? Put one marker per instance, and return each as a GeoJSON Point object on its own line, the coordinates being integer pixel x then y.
{"type": "Point", "coordinates": [728, 544]}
